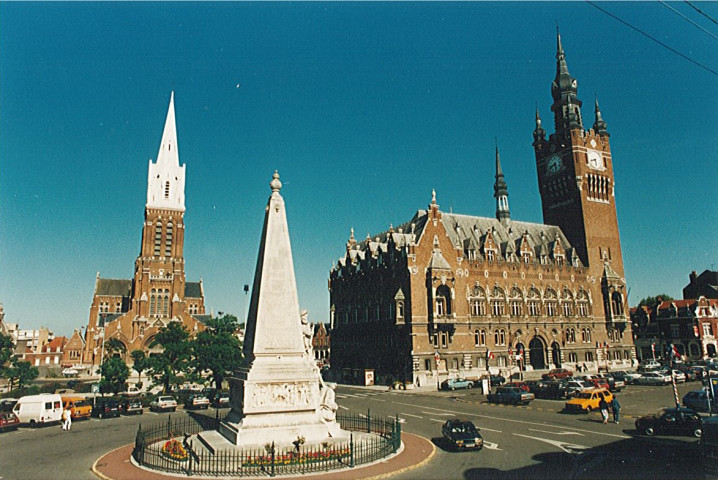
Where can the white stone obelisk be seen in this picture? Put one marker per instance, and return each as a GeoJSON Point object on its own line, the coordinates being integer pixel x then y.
{"type": "Point", "coordinates": [277, 394]}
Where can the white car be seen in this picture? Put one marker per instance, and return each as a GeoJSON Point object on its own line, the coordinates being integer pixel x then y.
{"type": "Point", "coordinates": [163, 403]}
{"type": "Point", "coordinates": [575, 386]}
{"type": "Point", "coordinates": [653, 378]}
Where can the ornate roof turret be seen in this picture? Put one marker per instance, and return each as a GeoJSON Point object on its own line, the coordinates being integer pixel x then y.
{"type": "Point", "coordinates": [563, 91]}
{"type": "Point", "coordinates": [539, 132]}
{"type": "Point", "coordinates": [501, 193]}
{"type": "Point", "coordinates": [599, 126]}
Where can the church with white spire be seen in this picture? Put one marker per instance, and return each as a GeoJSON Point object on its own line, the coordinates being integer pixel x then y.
{"type": "Point", "coordinates": [133, 310]}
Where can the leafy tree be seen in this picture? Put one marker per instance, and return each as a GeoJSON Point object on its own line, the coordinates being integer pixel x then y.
{"type": "Point", "coordinates": [142, 362]}
{"type": "Point", "coordinates": [21, 371]}
{"type": "Point", "coordinates": [653, 301]}
{"type": "Point", "coordinates": [113, 346]}
{"type": "Point", "coordinates": [114, 375]}
{"type": "Point", "coordinates": [6, 352]}
{"type": "Point", "coordinates": [174, 340]}
{"type": "Point", "coordinates": [217, 349]}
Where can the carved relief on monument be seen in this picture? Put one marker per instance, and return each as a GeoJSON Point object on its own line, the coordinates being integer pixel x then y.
{"type": "Point", "coordinates": [284, 396]}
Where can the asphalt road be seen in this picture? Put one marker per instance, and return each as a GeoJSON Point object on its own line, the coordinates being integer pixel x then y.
{"type": "Point", "coordinates": [521, 442]}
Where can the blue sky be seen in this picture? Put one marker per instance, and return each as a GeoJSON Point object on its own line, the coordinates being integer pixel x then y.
{"type": "Point", "coordinates": [362, 107]}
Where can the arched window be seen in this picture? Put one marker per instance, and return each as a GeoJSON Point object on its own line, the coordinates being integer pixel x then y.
{"type": "Point", "coordinates": [534, 303]}
{"type": "Point", "coordinates": [479, 338]}
{"type": "Point", "coordinates": [586, 335]}
{"type": "Point", "coordinates": [582, 303]}
{"type": "Point", "coordinates": [477, 302]}
{"type": "Point", "coordinates": [516, 303]}
{"type": "Point", "coordinates": [551, 303]}
{"type": "Point", "coordinates": [158, 239]}
{"type": "Point", "coordinates": [153, 302]}
{"type": "Point", "coordinates": [570, 335]}
{"type": "Point", "coordinates": [443, 301]}
{"type": "Point", "coordinates": [166, 303]}
{"type": "Point", "coordinates": [168, 240]}
{"type": "Point", "coordinates": [617, 303]}
{"type": "Point", "coordinates": [498, 303]}
{"type": "Point", "coordinates": [500, 336]}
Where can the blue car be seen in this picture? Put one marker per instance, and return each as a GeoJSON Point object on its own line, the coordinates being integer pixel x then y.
{"type": "Point", "coordinates": [454, 383]}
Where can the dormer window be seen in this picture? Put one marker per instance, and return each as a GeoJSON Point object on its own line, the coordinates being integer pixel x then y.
{"type": "Point", "coordinates": [490, 255]}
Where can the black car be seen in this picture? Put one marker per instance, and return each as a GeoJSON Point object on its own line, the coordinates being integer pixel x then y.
{"type": "Point", "coordinates": [497, 380]}
{"type": "Point", "coordinates": [221, 400]}
{"type": "Point", "coordinates": [105, 407]}
{"type": "Point", "coordinates": [462, 434]}
{"type": "Point", "coordinates": [671, 421]}
{"type": "Point", "coordinates": [698, 400]}
{"type": "Point", "coordinates": [555, 390]}
{"type": "Point", "coordinates": [131, 405]}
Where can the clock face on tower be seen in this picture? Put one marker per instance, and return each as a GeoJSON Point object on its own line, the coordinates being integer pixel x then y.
{"type": "Point", "coordinates": [554, 164]}
{"type": "Point", "coordinates": [595, 160]}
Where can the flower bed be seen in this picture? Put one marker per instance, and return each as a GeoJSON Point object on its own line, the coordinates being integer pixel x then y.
{"type": "Point", "coordinates": [174, 450]}
{"type": "Point", "coordinates": [294, 458]}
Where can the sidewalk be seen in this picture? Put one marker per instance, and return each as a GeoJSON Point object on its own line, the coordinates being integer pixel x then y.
{"type": "Point", "coordinates": [416, 452]}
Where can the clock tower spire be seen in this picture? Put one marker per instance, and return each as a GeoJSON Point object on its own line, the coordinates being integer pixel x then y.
{"type": "Point", "coordinates": [501, 193]}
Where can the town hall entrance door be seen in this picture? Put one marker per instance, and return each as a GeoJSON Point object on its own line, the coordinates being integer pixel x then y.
{"type": "Point", "coordinates": [556, 355]}
{"type": "Point", "coordinates": [537, 353]}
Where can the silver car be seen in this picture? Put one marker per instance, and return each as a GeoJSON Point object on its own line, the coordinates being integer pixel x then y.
{"type": "Point", "coordinates": [653, 378]}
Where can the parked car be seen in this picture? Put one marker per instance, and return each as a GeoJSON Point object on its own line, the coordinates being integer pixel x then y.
{"type": "Point", "coordinates": [454, 383]}
{"type": "Point", "coordinates": [196, 402]}
{"type": "Point", "coordinates": [709, 447]}
{"type": "Point", "coordinates": [462, 434]}
{"type": "Point", "coordinates": [512, 395]}
{"type": "Point", "coordinates": [575, 386]}
{"type": "Point", "coordinates": [671, 421]}
{"type": "Point", "coordinates": [614, 384]}
{"type": "Point", "coordinates": [7, 404]}
{"type": "Point", "coordinates": [132, 391]}
{"type": "Point", "coordinates": [560, 373]}
{"type": "Point", "coordinates": [596, 381]}
{"type": "Point", "coordinates": [650, 364]}
{"type": "Point", "coordinates": [552, 389]}
{"type": "Point", "coordinates": [39, 409]}
{"type": "Point", "coordinates": [105, 407]}
{"type": "Point", "coordinates": [496, 380]}
{"type": "Point", "coordinates": [163, 403]}
{"type": "Point", "coordinates": [8, 421]}
{"type": "Point", "coordinates": [522, 385]}
{"type": "Point", "coordinates": [653, 378]}
{"type": "Point", "coordinates": [698, 400]}
{"type": "Point", "coordinates": [588, 400]}
{"type": "Point", "coordinates": [131, 406]}
{"type": "Point", "coordinates": [221, 400]}
{"type": "Point", "coordinates": [80, 408]}
{"type": "Point", "coordinates": [627, 377]}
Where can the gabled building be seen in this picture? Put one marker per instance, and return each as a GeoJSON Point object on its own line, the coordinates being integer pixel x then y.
{"type": "Point", "coordinates": [321, 345]}
{"type": "Point", "coordinates": [73, 351]}
{"type": "Point", "coordinates": [445, 294]}
{"type": "Point", "coordinates": [703, 285]}
{"type": "Point", "coordinates": [691, 326]}
{"type": "Point", "coordinates": [134, 310]}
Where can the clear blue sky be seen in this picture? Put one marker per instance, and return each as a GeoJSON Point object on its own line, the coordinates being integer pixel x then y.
{"type": "Point", "coordinates": [362, 107]}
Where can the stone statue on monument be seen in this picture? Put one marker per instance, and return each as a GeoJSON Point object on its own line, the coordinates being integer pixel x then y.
{"type": "Point", "coordinates": [328, 405]}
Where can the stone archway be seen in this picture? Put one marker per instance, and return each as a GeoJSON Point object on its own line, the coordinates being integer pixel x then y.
{"type": "Point", "coordinates": [556, 354]}
{"type": "Point", "coordinates": [537, 353]}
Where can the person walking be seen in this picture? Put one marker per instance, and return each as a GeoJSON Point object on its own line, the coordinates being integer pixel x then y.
{"type": "Point", "coordinates": [603, 407]}
{"type": "Point", "coordinates": [67, 419]}
{"type": "Point", "coordinates": [616, 407]}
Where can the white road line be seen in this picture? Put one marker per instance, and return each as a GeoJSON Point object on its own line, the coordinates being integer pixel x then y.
{"type": "Point", "coordinates": [439, 413]}
{"type": "Point", "coordinates": [436, 420]}
{"type": "Point", "coordinates": [556, 433]}
{"type": "Point", "coordinates": [490, 430]}
{"type": "Point", "coordinates": [491, 445]}
{"type": "Point", "coordinates": [343, 408]}
{"type": "Point", "coordinates": [410, 415]}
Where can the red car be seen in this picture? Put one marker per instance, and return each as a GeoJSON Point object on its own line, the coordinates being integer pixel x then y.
{"type": "Point", "coordinates": [597, 382]}
{"type": "Point", "coordinates": [522, 385]}
{"type": "Point", "coordinates": [557, 373]}
{"type": "Point", "coordinates": [8, 421]}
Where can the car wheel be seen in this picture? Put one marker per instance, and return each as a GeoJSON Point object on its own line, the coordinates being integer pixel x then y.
{"type": "Point", "coordinates": [469, 386]}
{"type": "Point", "coordinates": [99, 415]}
{"type": "Point", "coordinates": [588, 409]}
{"type": "Point", "coordinates": [33, 424]}
{"type": "Point", "coordinates": [649, 431]}
{"type": "Point", "coordinates": [173, 409]}
{"type": "Point", "coordinates": [453, 388]}
{"type": "Point", "coordinates": [697, 433]}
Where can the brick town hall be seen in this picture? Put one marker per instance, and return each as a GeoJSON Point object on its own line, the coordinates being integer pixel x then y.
{"type": "Point", "coordinates": [133, 311]}
{"type": "Point", "coordinates": [445, 294]}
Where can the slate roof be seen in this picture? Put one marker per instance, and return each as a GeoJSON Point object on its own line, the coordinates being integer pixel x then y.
{"type": "Point", "coordinates": [203, 319]}
{"type": "Point", "coordinates": [106, 318]}
{"type": "Point", "coordinates": [113, 287]}
{"type": "Point", "coordinates": [193, 290]}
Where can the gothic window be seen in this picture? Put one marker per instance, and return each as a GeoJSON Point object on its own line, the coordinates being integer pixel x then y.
{"type": "Point", "coordinates": [516, 303]}
{"type": "Point", "coordinates": [400, 311]}
{"type": "Point", "coordinates": [572, 357]}
{"type": "Point", "coordinates": [435, 340]}
{"type": "Point", "coordinates": [104, 307]}
{"type": "Point", "coordinates": [142, 329]}
{"type": "Point", "coordinates": [168, 240]}
{"type": "Point", "coordinates": [589, 356]}
{"type": "Point", "coordinates": [551, 306]}
{"type": "Point", "coordinates": [498, 305]}
{"type": "Point", "coordinates": [707, 332]}
{"type": "Point", "coordinates": [166, 303]}
{"type": "Point", "coordinates": [153, 302]}
{"type": "Point", "coordinates": [570, 335]}
{"type": "Point", "coordinates": [500, 336]}
{"type": "Point", "coordinates": [158, 238]}
{"type": "Point", "coordinates": [586, 335]}
{"type": "Point", "coordinates": [526, 257]}
{"type": "Point", "coordinates": [443, 300]}
{"type": "Point", "coordinates": [118, 307]}
{"type": "Point", "coordinates": [477, 302]}
{"type": "Point", "coordinates": [490, 255]}
{"type": "Point", "coordinates": [167, 189]}
{"type": "Point", "coordinates": [559, 260]}
{"type": "Point", "coordinates": [617, 303]}
{"type": "Point", "coordinates": [582, 303]}
{"type": "Point", "coordinates": [444, 340]}
{"type": "Point", "coordinates": [427, 365]}
{"type": "Point", "coordinates": [479, 338]}
{"type": "Point", "coordinates": [534, 303]}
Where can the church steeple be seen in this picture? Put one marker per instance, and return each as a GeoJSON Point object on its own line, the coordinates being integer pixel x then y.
{"type": "Point", "coordinates": [539, 132]}
{"type": "Point", "coordinates": [165, 179]}
{"type": "Point", "coordinates": [501, 192]}
{"type": "Point", "coordinates": [599, 126]}
{"type": "Point", "coordinates": [566, 105]}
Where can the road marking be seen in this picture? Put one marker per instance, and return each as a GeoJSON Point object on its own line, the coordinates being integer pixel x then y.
{"type": "Point", "coordinates": [436, 420]}
{"type": "Point", "coordinates": [556, 433]}
{"type": "Point", "coordinates": [490, 430]}
{"type": "Point", "coordinates": [410, 415]}
{"type": "Point", "coordinates": [343, 408]}
{"type": "Point", "coordinates": [571, 448]}
{"type": "Point", "coordinates": [491, 445]}
{"type": "Point", "coordinates": [439, 413]}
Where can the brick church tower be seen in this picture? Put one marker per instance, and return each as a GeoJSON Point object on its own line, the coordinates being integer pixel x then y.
{"type": "Point", "coordinates": [134, 310]}
{"type": "Point", "coordinates": [577, 187]}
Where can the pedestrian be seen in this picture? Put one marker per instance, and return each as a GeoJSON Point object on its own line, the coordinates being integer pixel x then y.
{"type": "Point", "coordinates": [67, 419]}
{"type": "Point", "coordinates": [603, 406]}
{"type": "Point", "coordinates": [615, 406]}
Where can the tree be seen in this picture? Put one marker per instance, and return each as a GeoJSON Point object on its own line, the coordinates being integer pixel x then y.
{"type": "Point", "coordinates": [142, 363]}
{"type": "Point", "coordinates": [114, 375]}
{"type": "Point", "coordinates": [21, 371]}
{"type": "Point", "coordinates": [114, 346]}
{"type": "Point", "coordinates": [217, 349]}
{"type": "Point", "coordinates": [6, 352]}
{"type": "Point", "coordinates": [174, 340]}
{"type": "Point", "coordinates": [653, 301]}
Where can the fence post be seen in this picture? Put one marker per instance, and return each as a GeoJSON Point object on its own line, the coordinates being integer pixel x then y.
{"type": "Point", "coordinates": [271, 471]}
{"type": "Point", "coordinates": [397, 434]}
{"type": "Point", "coordinates": [368, 421]}
{"type": "Point", "coordinates": [169, 425]}
{"type": "Point", "coordinates": [191, 455]}
{"type": "Point", "coordinates": [351, 450]}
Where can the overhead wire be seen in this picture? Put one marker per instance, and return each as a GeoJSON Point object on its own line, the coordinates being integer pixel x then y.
{"type": "Point", "coordinates": [687, 19]}
{"type": "Point", "coordinates": [702, 12]}
{"type": "Point", "coordinates": [704, 67]}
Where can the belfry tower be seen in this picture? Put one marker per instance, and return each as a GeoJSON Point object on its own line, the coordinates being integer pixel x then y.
{"type": "Point", "coordinates": [577, 187]}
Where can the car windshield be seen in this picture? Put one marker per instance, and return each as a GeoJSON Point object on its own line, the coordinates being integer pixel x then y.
{"type": "Point", "coordinates": [584, 395]}
{"type": "Point", "coordinates": [463, 427]}
{"type": "Point", "coordinates": [82, 403]}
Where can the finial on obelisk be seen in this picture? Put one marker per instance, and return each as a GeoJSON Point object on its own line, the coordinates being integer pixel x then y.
{"type": "Point", "coordinates": [275, 184]}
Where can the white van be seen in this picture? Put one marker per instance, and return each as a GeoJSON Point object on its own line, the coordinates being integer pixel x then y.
{"type": "Point", "coordinates": [39, 409]}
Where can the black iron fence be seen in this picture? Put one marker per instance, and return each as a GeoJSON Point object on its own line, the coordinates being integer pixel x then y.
{"type": "Point", "coordinates": [168, 447]}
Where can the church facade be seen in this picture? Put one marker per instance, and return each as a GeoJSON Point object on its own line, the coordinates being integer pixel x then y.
{"type": "Point", "coordinates": [445, 294]}
{"type": "Point", "coordinates": [133, 310]}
